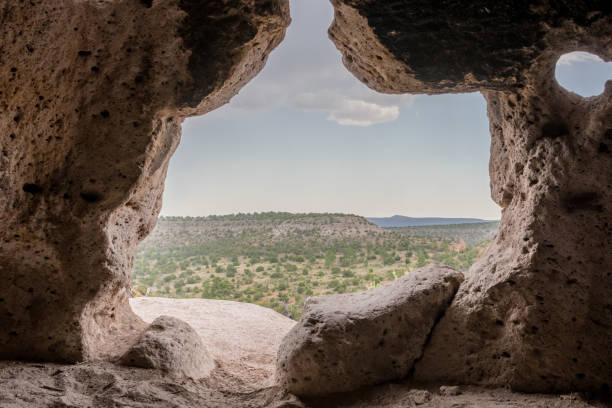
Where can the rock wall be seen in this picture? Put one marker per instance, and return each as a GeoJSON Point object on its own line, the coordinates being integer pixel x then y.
{"type": "Point", "coordinates": [93, 93]}
{"type": "Point", "coordinates": [535, 313]}
{"type": "Point", "coordinates": [92, 96]}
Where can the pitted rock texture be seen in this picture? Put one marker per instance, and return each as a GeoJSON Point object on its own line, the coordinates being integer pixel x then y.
{"type": "Point", "coordinates": [346, 341]}
{"type": "Point", "coordinates": [535, 312]}
{"type": "Point", "coordinates": [171, 345]}
{"type": "Point", "coordinates": [105, 385]}
{"type": "Point", "coordinates": [419, 47]}
{"type": "Point", "coordinates": [92, 95]}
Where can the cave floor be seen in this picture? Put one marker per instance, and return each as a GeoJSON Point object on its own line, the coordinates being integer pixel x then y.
{"type": "Point", "coordinates": [102, 385]}
{"type": "Point", "coordinates": [243, 339]}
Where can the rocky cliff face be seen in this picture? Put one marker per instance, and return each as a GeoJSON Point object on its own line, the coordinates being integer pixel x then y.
{"type": "Point", "coordinates": [92, 95]}
{"type": "Point", "coordinates": [534, 313]}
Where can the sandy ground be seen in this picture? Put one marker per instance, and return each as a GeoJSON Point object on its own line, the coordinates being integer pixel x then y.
{"type": "Point", "coordinates": [431, 396]}
{"type": "Point", "coordinates": [104, 385]}
{"type": "Point", "coordinates": [243, 339]}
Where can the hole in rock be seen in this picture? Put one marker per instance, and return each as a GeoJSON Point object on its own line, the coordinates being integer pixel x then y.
{"type": "Point", "coordinates": [91, 196]}
{"type": "Point", "coordinates": [290, 190]}
{"type": "Point", "coordinates": [587, 201]}
{"type": "Point", "coordinates": [32, 188]}
{"type": "Point", "coordinates": [583, 73]}
{"type": "Point", "coordinates": [553, 130]}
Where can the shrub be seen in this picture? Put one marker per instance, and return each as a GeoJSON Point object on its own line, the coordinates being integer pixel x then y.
{"type": "Point", "coordinates": [218, 288]}
{"type": "Point", "coordinates": [194, 279]}
{"type": "Point", "coordinates": [230, 271]}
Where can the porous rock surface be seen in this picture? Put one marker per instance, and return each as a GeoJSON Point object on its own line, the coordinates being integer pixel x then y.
{"type": "Point", "coordinates": [535, 313]}
{"type": "Point", "coordinates": [105, 385]}
{"type": "Point", "coordinates": [345, 341]}
{"type": "Point", "coordinates": [406, 395]}
{"type": "Point", "coordinates": [172, 346]}
{"type": "Point", "coordinates": [242, 339]}
{"type": "Point", "coordinates": [223, 325]}
{"type": "Point", "coordinates": [92, 96]}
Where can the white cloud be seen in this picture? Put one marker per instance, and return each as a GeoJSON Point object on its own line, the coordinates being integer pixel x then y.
{"type": "Point", "coordinates": [306, 73]}
{"type": "Point", "coordinates": [359, 113]}
{"type": "Point", "coordinates": [577, 56]}
{"type": "Point", "coordinates": [265, 96]}
{"type": "Point", "coordinates": [273, 90]}
{"type": "Point", "coordinates": [364, 93]}
{"type": "Point", "coordinates": [346, 110]}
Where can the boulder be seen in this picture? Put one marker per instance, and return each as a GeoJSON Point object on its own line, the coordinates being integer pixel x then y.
{"type": "Point", "coordinates": [345, 341]}
{"type": "Point", "coordinates": [173, 346]}
{"type": "Point", "coordinates": [242, 338]}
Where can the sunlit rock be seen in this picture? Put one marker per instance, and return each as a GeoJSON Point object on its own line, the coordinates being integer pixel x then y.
{"type": "Point", "coordinates": [346, 341]}
{"type": "Point", "coordinates": [172, 346]}
{"type": "Point", "coordinates": [242, 338]}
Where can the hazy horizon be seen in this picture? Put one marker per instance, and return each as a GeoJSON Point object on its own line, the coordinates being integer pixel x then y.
{"type": "Point", "coordinates": [306, 136]}
{"type": "Point", "coordinates": [323, 212]}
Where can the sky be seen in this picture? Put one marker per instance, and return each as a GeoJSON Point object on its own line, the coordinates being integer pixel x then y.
{"type": "Point", "coordinates": [306, 136]}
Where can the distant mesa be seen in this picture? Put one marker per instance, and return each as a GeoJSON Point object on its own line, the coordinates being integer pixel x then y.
{"type": "Point", "coordinates": [397, 221]}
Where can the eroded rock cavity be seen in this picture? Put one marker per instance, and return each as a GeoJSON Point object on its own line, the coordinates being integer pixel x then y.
{"type": "Point", "coordinates": [92, 96]}
{"type": "Point", "coordinates": [93, 93]}
{"type": "Point", "coordinates": [536, 312]}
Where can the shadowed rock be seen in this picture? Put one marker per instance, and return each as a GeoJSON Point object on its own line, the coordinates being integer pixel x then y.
{"type": "Point", "coordinates": [346, 341]}
{"type": "Point", "coordinates": [170, 345]}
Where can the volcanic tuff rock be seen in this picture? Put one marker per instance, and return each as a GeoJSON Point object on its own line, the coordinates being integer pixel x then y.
{"type": "Point", "coordinates": [346, 341]}
{"type": "Point", "coordinates": [535, 312]}
{"type": "Point", "coordinates": [242, 338]}
{"type": "Point", "coordinates": [92, 95]}
{"type": "Point", "coordinates": [170, 345]}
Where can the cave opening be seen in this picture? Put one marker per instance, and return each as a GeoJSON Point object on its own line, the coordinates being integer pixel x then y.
{"type": "Point", "coordinates": [531, 315]}
{"type": "Point", "coordinates": [305, 137]}
{"type": "Point", "coordinates": [583, 73]}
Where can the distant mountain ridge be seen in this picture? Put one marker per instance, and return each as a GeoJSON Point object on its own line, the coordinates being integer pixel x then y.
{"type": "Point", "coordinates": [402, 221]}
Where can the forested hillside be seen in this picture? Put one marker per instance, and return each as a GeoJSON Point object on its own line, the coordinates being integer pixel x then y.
{"type": "Point", "coordinates": [470, 233]}
{"type": "Point", "coordinates": [277, 260]}
{"type": "Point", "coordinates": [400, 221]}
